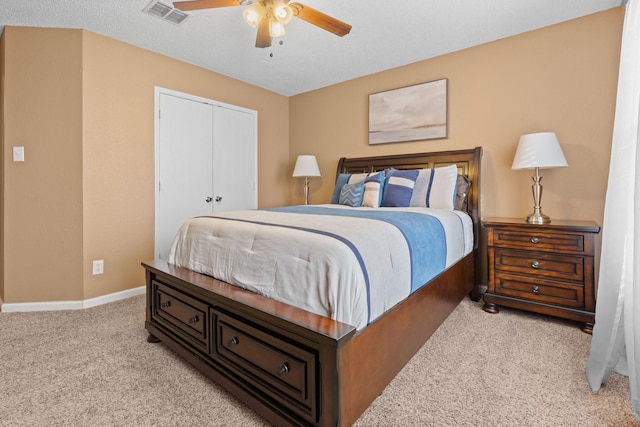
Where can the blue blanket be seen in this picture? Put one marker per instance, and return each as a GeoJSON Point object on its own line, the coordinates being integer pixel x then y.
{"type": "Point", "coordinates": [424, 234]}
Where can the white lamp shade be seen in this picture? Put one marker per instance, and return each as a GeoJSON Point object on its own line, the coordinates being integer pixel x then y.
{"type": "Point", "coordinates": [539, 150]}
{"type": "Point", "coordinates": [306, 166]}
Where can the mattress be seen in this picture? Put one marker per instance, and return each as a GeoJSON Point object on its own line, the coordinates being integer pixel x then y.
{"type": "Point", "coordinates": [349, 264]}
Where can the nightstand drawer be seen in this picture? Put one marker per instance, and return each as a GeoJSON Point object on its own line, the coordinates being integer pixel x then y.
{"type": "Point", "coordinates": [537, 241]}
{"type": "Point", "coordinates": [540, 290]}
{"type": "Point", "coordinates": [540, 264]}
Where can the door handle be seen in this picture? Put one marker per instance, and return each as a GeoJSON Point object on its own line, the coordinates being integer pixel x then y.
{"type": "Point", "coordinates": [218, 198]}
{"type": "Point", "coordinates": [208, 199]}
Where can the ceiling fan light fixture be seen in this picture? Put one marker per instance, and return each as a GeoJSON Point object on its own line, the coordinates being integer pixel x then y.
{"type": "Point", "coordinates": [271, 16]}
{"type": "Point", "coordinates": [282, 12]}
{"type": "Point", "coordinates": [276, 28]}
{"type": "Point", "coordinates": [254, 14]}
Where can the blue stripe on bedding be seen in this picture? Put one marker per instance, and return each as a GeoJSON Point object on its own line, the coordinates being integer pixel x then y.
{"type": "Point", "coordinates": [349, 244]}
{"type": "Point", "coordinates": [424, 235]}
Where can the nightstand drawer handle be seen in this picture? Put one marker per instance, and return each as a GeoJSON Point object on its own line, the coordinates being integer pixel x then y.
{"type": "Point", "coordinates": [535, 289]}
{"type": "Point", "coordinates": [165, 304]}
{"type": "Point", "coordinates": [535, 264]}
{"type": "Point", "coordinates": [534, 240]}
{"type": "Point", "coordinates": [193, 319]}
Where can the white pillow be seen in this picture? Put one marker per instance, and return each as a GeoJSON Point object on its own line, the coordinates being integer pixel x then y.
{"type": "Point", "coordinates": [436, 188]}
{"type": "Point", "coordinates": [371, 198]}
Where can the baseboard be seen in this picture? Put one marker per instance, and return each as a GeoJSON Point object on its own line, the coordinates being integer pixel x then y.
{"type": "Point", "coordinates": [71, 305]}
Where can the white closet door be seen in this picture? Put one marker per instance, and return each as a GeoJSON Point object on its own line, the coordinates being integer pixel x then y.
{"type": "Point", "coordinates": [234, 160]}
{"type": "Point", "coordinates": [206, 161]}
{"type": "Point", "coordinates": [184, 166]}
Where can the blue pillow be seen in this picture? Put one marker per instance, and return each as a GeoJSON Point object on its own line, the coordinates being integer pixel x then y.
{"type": "Point", "coordinates": [351, 194]}
{"type": "Point", "coordinates": [399, 188]}
{"type": "Point", "coordinates": [343, 178]}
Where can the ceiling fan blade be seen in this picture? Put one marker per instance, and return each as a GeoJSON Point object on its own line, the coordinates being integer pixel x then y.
{"type": "Point", "coordinates": [204, 4]}
{"type": "Point", "coordinates": [263, 39]}
{"type": "Point", "coordinates": [320, 19]}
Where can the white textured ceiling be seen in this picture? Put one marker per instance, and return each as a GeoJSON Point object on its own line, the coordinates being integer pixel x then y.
{"type": "Point", "coordinates": [385, 34]}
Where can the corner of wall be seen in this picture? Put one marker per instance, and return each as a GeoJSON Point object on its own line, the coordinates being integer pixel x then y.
{"type": "Point", "coordinates": [2, 149]}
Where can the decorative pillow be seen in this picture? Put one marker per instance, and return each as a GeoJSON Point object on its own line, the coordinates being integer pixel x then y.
{"type": "Point", "coordinates": [373, 186]}
{"type": "Point", "coordinates": [343, 179]}
{"type": "Point", "coordinates": [351, 194]}
{"type": "Point", "coordinates": [399, 188]}
{"type": "Point", "coordinates": [419, 196]}
{"type": "Point", "coordinates": [436, 188]}
{"type": "Point", "coordinates": [348, 178]}
{"type": "Point", "coordinates": [387, 174]}
{"type": "Point", "coordinates": [462, 191]}
{"type": "Point", "coordinates": [442, 189]}
{"type": "Point", "coordinates": [358, 177]}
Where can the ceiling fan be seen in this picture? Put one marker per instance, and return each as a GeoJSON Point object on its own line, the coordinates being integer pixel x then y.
{"type": "Point", "coordinates": [270, 16]}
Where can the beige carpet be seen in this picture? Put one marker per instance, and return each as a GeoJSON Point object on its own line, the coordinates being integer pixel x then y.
{"type": "Point", "coordinates": [94, 368]}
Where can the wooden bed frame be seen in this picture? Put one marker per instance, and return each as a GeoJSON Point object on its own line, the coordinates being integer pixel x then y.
{"type": "Point", "coordinates": [294, 367]}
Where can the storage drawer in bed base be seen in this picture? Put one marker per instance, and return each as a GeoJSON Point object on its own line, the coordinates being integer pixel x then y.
{"type": "Point", "coordinates": [183, 315]}
{"type": "Point", "coordinates": [285, 370]}
{"type": "Point", "coordinates": [275, 370]}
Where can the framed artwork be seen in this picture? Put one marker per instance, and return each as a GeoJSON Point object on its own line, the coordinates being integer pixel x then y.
{"type": "Point", "coordinates": [409, 113]}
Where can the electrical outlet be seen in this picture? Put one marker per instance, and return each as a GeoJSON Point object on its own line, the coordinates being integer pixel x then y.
{"type": "Point", "coordinates": [98, 267]}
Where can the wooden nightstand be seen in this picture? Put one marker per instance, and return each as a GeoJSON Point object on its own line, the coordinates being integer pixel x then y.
{"type": "Point", "coordinates": [545, 269]}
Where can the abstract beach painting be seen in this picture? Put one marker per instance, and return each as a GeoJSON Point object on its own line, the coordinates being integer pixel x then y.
{"type": "Point", "coordinates": [410, 113]}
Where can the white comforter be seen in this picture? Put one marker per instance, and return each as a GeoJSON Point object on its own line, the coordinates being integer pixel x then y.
{"type": "Point", "coordinates": [346, 268]}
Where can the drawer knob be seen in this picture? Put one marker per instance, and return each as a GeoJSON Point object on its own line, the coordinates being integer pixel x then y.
{"type": "Point", "coordinates": [534, 240]}
{"type": "Point", "coordinates": [233, 341]}
{"type": "Point", "coordinates": [535, 264]}
{"type": "Point", "coordinates": [283, 369]}
{"type": "Point", "coordinates": [193, 319]}
{"type": "Point", "coordinates": [535, 289]}
{"type": "Point", "coordinates": [165, 304]}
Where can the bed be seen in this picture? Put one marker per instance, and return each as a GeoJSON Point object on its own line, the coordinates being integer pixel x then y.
{"type": "Point", "coordinates": [298, 366]}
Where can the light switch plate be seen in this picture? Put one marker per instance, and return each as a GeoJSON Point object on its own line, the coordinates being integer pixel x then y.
{"type": "Point", "coordinates": [18, 154]}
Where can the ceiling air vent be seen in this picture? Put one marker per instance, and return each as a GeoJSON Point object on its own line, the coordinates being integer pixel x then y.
{"type": "Point", "coordinates": [165, 12]}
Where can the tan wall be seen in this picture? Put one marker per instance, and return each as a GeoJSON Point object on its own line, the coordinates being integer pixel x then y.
{"type": "Point", "coordinates": [561, 78]}
{"type": "Point", "coordinates": [42, 219]}
{"type": "Point", "coordinates": [82, 105]}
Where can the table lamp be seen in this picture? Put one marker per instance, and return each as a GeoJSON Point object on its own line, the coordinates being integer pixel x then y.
{"type": "Point", "coordinates": [538, 151]}
{"type": "Point", "coordinates": [306, 166]}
